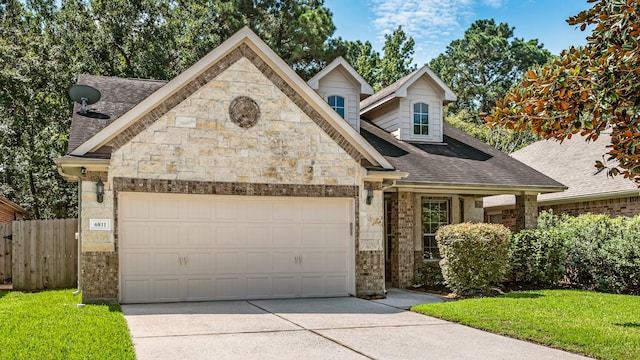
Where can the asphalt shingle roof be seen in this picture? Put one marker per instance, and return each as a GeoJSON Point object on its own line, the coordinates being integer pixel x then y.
{"type": "Point", "coordinates": [118, 96]}
{"type": "Point", "coordinates": [461, 160]}
{"type": "Point", "coordinates": [386, 91]}
{"type": "Point", "coordinates": [571, 163]}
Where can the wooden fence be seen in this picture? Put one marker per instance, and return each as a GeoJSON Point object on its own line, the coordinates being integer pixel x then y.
{"type": "Point", "coordinates": [44, 254]}
{"type": "Point", "coordinates": [5, 253]}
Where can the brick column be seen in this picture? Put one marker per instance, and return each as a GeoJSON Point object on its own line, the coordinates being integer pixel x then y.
{"type": "Point", "coordinates": [526, 212]}
{"type": "Point", "coordinates": [405, 253]}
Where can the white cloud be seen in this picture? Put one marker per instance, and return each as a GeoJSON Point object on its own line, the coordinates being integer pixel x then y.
{"type": "Point", "coordinates": [427, 21]}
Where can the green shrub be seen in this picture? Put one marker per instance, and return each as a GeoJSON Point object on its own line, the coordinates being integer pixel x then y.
{"type": "Point", "coordinates": [593, 252]}
{"type": "Point", "coordinates": [429, 274]}
{"type": "Point", "coordinates": [537, 256]}
{"type": "Point", "coordinates": [474, 256]}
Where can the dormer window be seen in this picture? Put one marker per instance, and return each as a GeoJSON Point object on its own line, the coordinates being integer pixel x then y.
{"type": "Point", "coordinates": [420, 119]}
{"type": "Point", "coordinates": [337, 103]}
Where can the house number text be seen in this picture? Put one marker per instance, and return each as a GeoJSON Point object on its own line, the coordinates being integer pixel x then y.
{"type": "Point", "coordinates": [100, 224]}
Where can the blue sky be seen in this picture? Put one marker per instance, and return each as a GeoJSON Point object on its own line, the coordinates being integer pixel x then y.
{"type": "Point", "coordinates": [435, 23]}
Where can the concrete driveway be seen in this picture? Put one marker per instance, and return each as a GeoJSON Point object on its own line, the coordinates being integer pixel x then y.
{"type": "Point", "coordinates": [330, 328]}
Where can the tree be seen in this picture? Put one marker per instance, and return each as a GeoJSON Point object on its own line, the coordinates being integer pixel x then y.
{"type": "Point", "coordinates": [46, 44]}
{"type": "Point", "coordinates": [397, 59]}
{"type": "Point", "coordinates": [482, 66]}
{"type": "Point", "coordinates": [396, 62]}
{"type": "Point", "coordinates": [587, 90]}
{"type": "Point", "coordinates": [33, 112]}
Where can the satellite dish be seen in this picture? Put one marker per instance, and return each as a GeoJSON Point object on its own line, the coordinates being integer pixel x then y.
{"type": "Point", "coordinates": [84, 95]}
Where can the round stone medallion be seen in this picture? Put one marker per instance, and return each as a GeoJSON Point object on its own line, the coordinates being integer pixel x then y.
{"type": "Point", "coordinates": [244, 112]}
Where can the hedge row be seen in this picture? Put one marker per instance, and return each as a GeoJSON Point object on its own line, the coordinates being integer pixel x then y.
{"type": "Point", "coordinates": [593, 252]}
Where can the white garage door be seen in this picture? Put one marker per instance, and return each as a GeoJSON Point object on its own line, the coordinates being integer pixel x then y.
{"type": "Point", "coordinates": [195, 248]}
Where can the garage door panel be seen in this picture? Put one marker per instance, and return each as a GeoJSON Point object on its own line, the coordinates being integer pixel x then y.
{"type": "Point", "coordinates": [259, 236]}
{"type": "Point", "coordinates": [167, 289]}
{"type": "Point", "coordinates": [285, 212]}
{"type": "Point", "coordinates": [313, 285]}
{"type": "Point", "coordinates": [136, 209]}
{"type": "Point", "coordinates": [198, 209]}
{"type": "Point", "coordinates": [137, 290]}
{"type": "Point", "coordinates": [228, 210]}
{"type": "Point", "coordinates": [232, 247]}
{"type": "Point", "coordinates": [200, 236]}
{"type": "Point", "coordinates": [166, 263]}
{"type": "Point", "coordinates": [335, 284]}
{"type": "Point", "coordinates": [313, 236]}
{"type": "Point", "coordinates": [230, 262]}
{"type": "Point", "coordinates": [336, 236]}
{"type": "Point", "coordinates": [230, 236]}
{"type": "Point", "coordinates": [312, 261]}
{"type": "Point", "coordinates": [259, 286]}
{"type": "Point", "coordinates": [137, 263]}
{"type": "Point", "coordinates": [229, 288]}
{"type": "Point", "coordinates": [165, 236]}
{"type": "Point", "coordinates": [259, 262]}
{"type": "Point", "coordinates": [336, 261]}
{"type": "Point", "coordinates": [198, 262]}
{"type": "Point", "coordinates": [200, 289]}
{"type": "Point", "coordinates": [284, 262]}
{"type": "Point", "coordinates": [286, 285]}
{"type": "Point", "coordinates": [286, 236]}
{"type": "Point", "coordinates": [258, 210]}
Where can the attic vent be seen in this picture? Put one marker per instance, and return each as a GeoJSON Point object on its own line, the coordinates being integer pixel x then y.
{"type": "Point", "coordinates": [244, 112]}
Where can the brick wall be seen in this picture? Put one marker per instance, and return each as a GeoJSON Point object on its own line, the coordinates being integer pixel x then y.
{"type": "Point", "coordinates": [626, 206]}
{"type": "Point", "coordinates": [402, 225]}
{"type": "Point", "coordinates": [6, 215]}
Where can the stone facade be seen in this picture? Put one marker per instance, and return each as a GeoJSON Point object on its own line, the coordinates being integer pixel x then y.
{"type": "Point", "coordinates": [193, 147]}
{"type": "Point", "coordinates": [625, 206]}
{"type": "Point", "coordinates": [526, 212]}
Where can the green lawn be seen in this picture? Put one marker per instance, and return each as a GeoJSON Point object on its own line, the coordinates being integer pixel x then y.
{"type": "Point", "coordinates": [49, 325]}
{"type": "Point", "coordinates": [605, 326]}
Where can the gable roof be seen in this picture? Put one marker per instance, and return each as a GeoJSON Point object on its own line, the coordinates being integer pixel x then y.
{"type": "Point", "coordinates": [118, 96]}
{"type": "Point", "coordinates": [572, 163]}
{"type": "Point", "coordinates": [461, 161]}
{"type": "Point", "coordinates": [399, 89]}
{"type": "Point", "coordinates": [13, 206]}
{"type": "Point", "coordinates": [365, 88]}
{"type": "Point", "coordinates": [244, 43]}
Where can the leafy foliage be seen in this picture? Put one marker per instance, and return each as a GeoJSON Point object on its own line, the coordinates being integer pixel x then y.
{"type": "Point", "coordinates": [587, 90]}
{"type": "Point", "coordinates": [474, 256]}
{"type": "Point", "coordinates": [46, 44]}
{"type": "Point", "coordinates": [593, 252]}
{"type": "Point", "coordinates": [482, 66]}
{"type": "Point", "coordinates": [395, 63]}
{"type": "Point", "coordinates": [502, 139]}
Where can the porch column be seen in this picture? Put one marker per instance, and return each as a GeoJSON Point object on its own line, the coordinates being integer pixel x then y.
{"type": "Point", "coordinates": [404, 247]}
{"type": "Point", "coordinates": [526, 212]}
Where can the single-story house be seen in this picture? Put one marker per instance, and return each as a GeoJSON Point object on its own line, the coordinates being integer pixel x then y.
{"type": "Point", "coordinates": [239, 180]}
{"type": "Point", "coordinates": [572, 163]}
{"type": "Point", "coordinates": [10, 211]}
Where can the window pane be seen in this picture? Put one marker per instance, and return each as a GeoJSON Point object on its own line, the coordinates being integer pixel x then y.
{"type": "Point", "coordinates": [339, 101]}
{"type": "Point", "coordinates": [340, 111]}
{"type": "Point", "coordinates": [435, 213]}
{"type": "Point", "coordinates": [416, 129]}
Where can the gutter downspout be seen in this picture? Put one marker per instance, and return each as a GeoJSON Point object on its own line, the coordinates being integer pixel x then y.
{"type": "Point", "coordinates": [79, 233]}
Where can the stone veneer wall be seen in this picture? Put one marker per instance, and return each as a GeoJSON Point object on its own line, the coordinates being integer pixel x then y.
{"type": "Point", "coordinates": [626, 206]}
{"type": "Point", "coordinates": [370, 243]}
{"type": "Point", "coordinates": [526, 212]}
{"type": "Point", "coordinates": [189, 145]}
{"type": "Point", "coordinates": [403, 244]}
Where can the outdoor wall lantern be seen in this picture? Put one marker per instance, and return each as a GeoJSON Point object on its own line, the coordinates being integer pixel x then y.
{"type": "Point", "coordinates": [369, 194]}
{"type": "Point", "coordinates": [100, 190]}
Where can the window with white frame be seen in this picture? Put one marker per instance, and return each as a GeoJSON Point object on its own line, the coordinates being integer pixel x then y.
{"type": "Point", "coordinates": [337, 103]}
{"type": "Point", "coordinates": [435, 213]}
{"type": "Point", "coordinates": [420, 119]}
